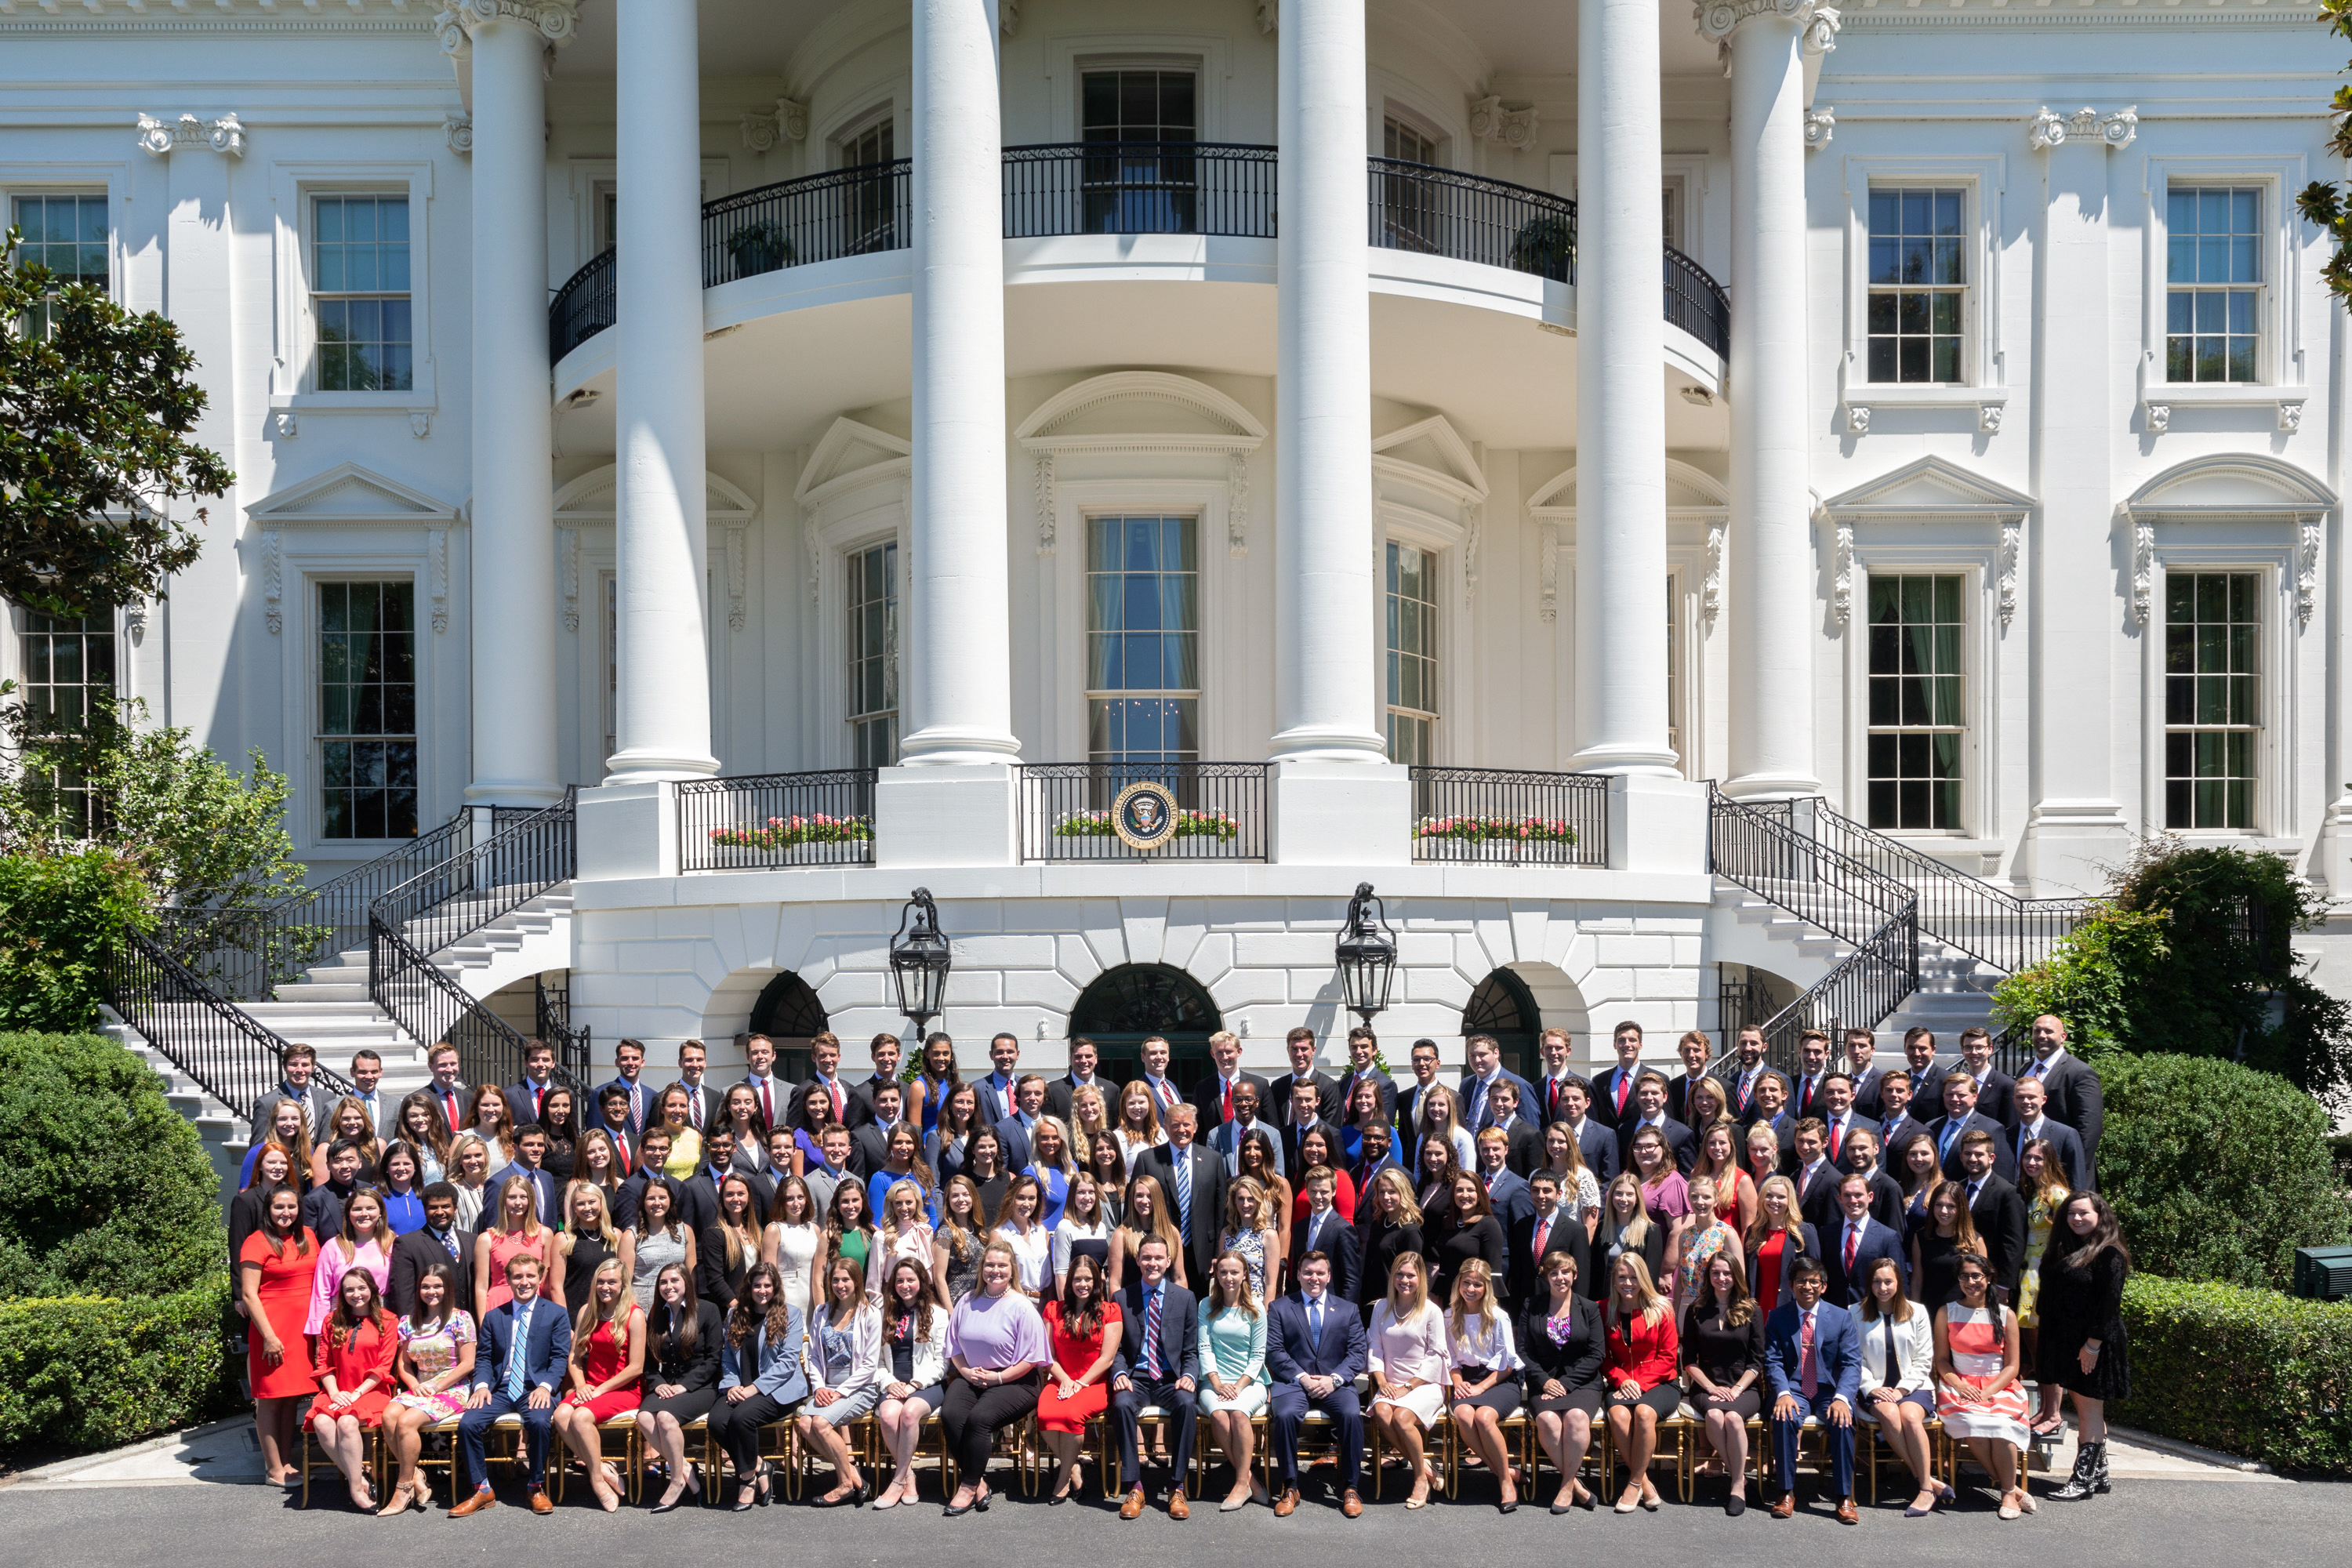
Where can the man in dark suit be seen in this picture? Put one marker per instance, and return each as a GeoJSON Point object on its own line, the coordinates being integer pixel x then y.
{"type": "Point", "coordinates": [1315, 1350]}
{"type": "Point", "coordinates": [1544, 1228]}
{"type": "Point", "coordinates": [1306, 1118]}
{"type": "Point", "coordinates": [525, 1346]}
{"type": "Point", "coordinates": [1650, 1102]}
{"type": "Point", "coordinates": [996, 1087]}
{"type": "Point", "coordinates": [1696, 1052]}
{"type": "Point", "coordinates": [629, 1064]}
{"type": "Point", "coordinates": [1158, 1363]}
{"type": "Point", "coordinates": [702, 1187]}
{"type": "Point", "coordinates": [1363, 1050]}
{"type": "Point", "coordinates": [1084, 1058]}
{"type": "Point", "coordinates": [706, 1102]}
{"type": "Point", "coordinates": [609, 1114]}
{"type": "Point", "coordinates": [2076, 1095]}
{"type": "Point", "coordinates": [1596, 1140]}
{"type": "Point", "coordinates": [1857, 1241]}
{"type": "Point", "coordinates": [1926, 1077]}
{"type": "Point", "coordinates": [448, 1094]}
{"type": "Point", "coordinates": [1612, 1091]}
{"type": "Point", "coordinates": [1476, 1093]}
{"type": "Point", "coordinates": [1863, 1155]}
{"type": "Point", "coordinates": [1227, 1138]}
{"type": "Point", "coordinates": [1838, 1116]}
{"type": "Point", "coordinates": [1377, 1152]}
{"type": "Point", "coordinates": [1994, 1086]}
{"type": "Point", "coordinates": [1812, 1066]}
{"type": "Point", "coordinates": [1861, 1051]}
{"type": "Point", "coordinates": [652, 1149]}
{"type": "Point", "coordinates": [367, 1078]}
{"type": "Point", "coordinates": [1812, 1366]}
{"type": "Point", "coordinates": [1409, 1096]}
{"type": "Point", "coordinates": [1322, 1230]}
{"type": "Point", "coordinates": [322, 1206]}
{"type": "Point", "coordinates": [884, 1052]}
{"type": "Point", "coordinates": [779, 1097]}
{"type": "Point", "coordinates": [1895, 1122]}
{"type": "Point", "coordinates": [440, 1241]}
{"type": "Point", "coordinates": [1283, 1094]}
{"type": "Point", "coordinates": [296, 1065]}
{"type": "Point", "coordinates": [1808, 1167]}
{"type": "Point", "coordinates": [1753, 1070]}
{"type": "Point", "coordinates": [1028, 1105]}
{"type": "Point", "coordinates": [1213, 1095]}
{"type": "Point", "coordinates": [1506, 1191]}
{"type": "Point", "coordinates": [824, 1072]}
{"type": "Point", "coordinates": [529, 1163]}
{"type": "Point", "coordinates": [1550, 1101]}
{"type": "Point", "coordinates": [2030, 1102]}
{"type": "Point", "coordinates": [1996, 1208]}
{"type": "Point", "coordinates": [1199, 1218]}
{"type": "Point", "coordinates": [527, 1096]}
{"type": "Point", "coordinates": [1961, 1118]}
{"type": "Point", "coordinates": [1771, 1109]}
{"type": "Point", "coordinates": [1522, 1137]}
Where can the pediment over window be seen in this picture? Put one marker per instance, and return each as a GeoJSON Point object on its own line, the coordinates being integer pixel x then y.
{"type": "Point", "coordinates": [1931, 487]}
{"type": "Point", "coordinates": [1140, 410]}
{"type": "Point", "coordinates": [1432, 454]}
{"type": "Point", "coordinates": [590, 500]}
{"type": "Point", "coordinates": [852, 454]}
{"type": "Point", "coordinates": [349, 496]}
{"type": "Point", "coordinates": [2243, 486]}
{"type": "Point", "coordinates": [1688, 489]}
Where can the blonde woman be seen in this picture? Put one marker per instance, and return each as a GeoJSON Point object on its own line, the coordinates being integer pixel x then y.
{"type": "Point", "coordinates": [792, 1238]}
{"type": "Point", "coordinates": [608, 1356]}
{"type": "Point", "coordinates": [1639, 1367]}
{"type": "Point", "coordinates": [1250, 1235]}
{"type": "Point", "coordinates": [1778, 1239]}
{"type": "Point", "coordinates": [588, 1239]}
{"type": "Point", "coordinates": [1409, 1368]}
{"type": "Point", "coordinates": [1232, 1371]}
{"type": "Point", "coordinates": [515, 1228]}
{"type": "Point", "coordinates": [1580, 1189]}
{"type": "Point", "coordinates": [1442, 1114]}
{"type": "Point", "coordinates": [469, 1172]}
{"type": "Point", "coordinates": [1139, 1122]}
{"type": "Point", "coordinates": [1700, 1235]}
{"type": "Point", "coordinates": [1089, 1120]}
{"type": "Point", "coordinates": [1626, 1225]}
{"type": "Point", "coordinates": [1393, 1234]}
{"type": "Point", "coordinates": [349, 1120]}
{"type": "Point", "coordinates": [956, 1246]}
{"type": "Point", "coordinates": [2042, 1178]}
{"type": "Point", "coordinates": [843, 1357]}
{"type": "Point", "coordinates": [1052, 1163]}
{"type": "Point", "coordinates": [1258, 1162]}
{"type": "Point", "coordinates": [1482, 1373]}
{"type": "Point", "coordinates": [1718, 1158]}
{"type": "Point", "coordinates": [1145, 1212]}
{"type": "Point", "coordinates": [904, 1232]}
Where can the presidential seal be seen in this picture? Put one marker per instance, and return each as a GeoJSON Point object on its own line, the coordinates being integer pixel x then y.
{"type": "Point", "coordinates": [1144, 816]}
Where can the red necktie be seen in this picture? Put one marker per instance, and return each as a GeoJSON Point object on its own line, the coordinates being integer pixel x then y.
{"type": "Point", "coordinates": [621, 1151]}
{"type": "Point", "coordinates": [1804, 1093]}
{"type": "Point", "coordinates": [1624, 1083]}
{"type": "Point", "coordinates": [449, 1103]}
{"type": "Point", "coordinates": [1837, 1136]}
{"type": "Point", "coordinates": [767, 1105]}
{"type": "Point", "coordinates": [1853, 1246]}
{"type": "Point", "coordinates": [840, 1111]}
{"type": "Point", "coordinates": [1229, 1100]}
{"type": "Point", "coordinates": [1551, 1099]}
{"type": "Point", "coordinates": [1810, 1373]}
{"type": "Point", "coordinates": [1543, 1234]}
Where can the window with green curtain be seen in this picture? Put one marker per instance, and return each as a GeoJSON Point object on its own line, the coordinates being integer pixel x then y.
{"type": "Point", "coordinates": [367, 710]}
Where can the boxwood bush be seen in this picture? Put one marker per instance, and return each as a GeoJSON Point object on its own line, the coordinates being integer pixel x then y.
{"type": "Point", "coordinates": [87, 1371]}
{"type": "Point", "coordinates": [2251, 1373]}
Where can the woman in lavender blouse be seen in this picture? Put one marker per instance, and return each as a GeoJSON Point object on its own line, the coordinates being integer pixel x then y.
{"type": "Point", "coordinates": [996, 1343]}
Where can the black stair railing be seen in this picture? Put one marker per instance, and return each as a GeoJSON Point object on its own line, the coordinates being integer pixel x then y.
{"type": "Point", "coordinates": [221, 1049]}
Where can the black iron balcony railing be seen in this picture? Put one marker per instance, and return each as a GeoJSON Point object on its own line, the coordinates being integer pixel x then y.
{"type": "Point", "coordinates": [1437, 212]}
{"type": "Point", "coordinates": [817, 217]}
{"type": "Point", "coordinates": [1065, 810]}
{"type": "Point", "coordinates": [1496, 816]}
{"type": "Point", "coordinates": [777, 819]}
{"type": "Point", "coordinates": [1696, 303]}
{"type": "Point", "coordinates": [1140, 187]}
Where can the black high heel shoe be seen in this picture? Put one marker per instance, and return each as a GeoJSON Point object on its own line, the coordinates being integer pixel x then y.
{"type": "Point", "coordinates": [761, 1497]}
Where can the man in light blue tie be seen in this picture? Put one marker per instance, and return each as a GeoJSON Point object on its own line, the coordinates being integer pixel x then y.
{"type": "Point", "coordinates": [1314, 1350]}
{"type": "Point", "coordinates": [525, 1346]}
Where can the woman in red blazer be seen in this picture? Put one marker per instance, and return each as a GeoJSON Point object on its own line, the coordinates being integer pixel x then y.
{"type": "Point", "coordinates": [1638, 1369]}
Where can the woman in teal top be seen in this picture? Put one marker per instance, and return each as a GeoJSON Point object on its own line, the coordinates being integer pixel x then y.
{"type": "Point", "coordinates": [1232, 1371]}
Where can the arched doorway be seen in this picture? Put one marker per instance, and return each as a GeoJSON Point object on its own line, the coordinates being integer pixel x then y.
{"type": "Point", "coordinates": [1125, 1005]}
{"type": "Point", "coordinates": [1504, 1007]}
{"type": "Point", "coordinates": [788, 1013]}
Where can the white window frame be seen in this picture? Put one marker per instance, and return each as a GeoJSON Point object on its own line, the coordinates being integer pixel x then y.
{"type": "Point", "coordinates": [893, 533]}
{"type": "Point", "coordinates": [2280, 364]}
{"type": "Point", "coordinates": [293, 373]}
{"type": "Point", "coordinates": [1207, 55]}
{"type": "Point", "coordinates": [1443, 576]}
{"type": "Point", "coordinates": [2267, 551]}
{"type": "Point", "coordinates": [1982, 363]}
{"type": "Point", "coordinates": [850, 511]}
{"type": "Point", "coordinates": [112, 179]}
{"type": "Point", "coordinates": [877, 110]}
{"type": "Point", "coordinates": [1972, 709]}
{"type": "Point", "coordinates": [1956, 546]}
{"type": "Point", "coordinates": [1078, 502]}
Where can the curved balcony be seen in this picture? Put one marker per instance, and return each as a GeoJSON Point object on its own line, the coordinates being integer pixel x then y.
{"type": "Point", "coordinates": [1208, 188]}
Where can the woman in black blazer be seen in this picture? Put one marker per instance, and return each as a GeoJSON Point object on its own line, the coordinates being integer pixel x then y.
{"type": "Point", "coordinates": [1466, 1228]}
{"type": "Point", "coordinates": [681, 1376]}
{"type": "Point", "coordinates": [1627, 1225]}
{"type": "Point", "coordinates": [1723, 1360]}
{"type": "Point", "coordinates": [1561, 1348]}
{"type": "Point", "coordinates": [1390, 1222]}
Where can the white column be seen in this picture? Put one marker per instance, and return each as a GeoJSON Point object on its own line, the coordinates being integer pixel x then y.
{"type": "Point", "coordinates": [665, 670]}
{"type": "Point", "coordinates": [1774, 603]}
{"type": "Point", "coordinates": [512, 537]}
{"type": "Point", "coordinates": [1620, 392]}
{"type": "Point", "coordinates": [1327, 700]}
{"type": "Point", "coordinates": [957, 682]}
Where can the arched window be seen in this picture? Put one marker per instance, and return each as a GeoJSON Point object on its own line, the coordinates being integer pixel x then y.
{"type": "Point", "coordinates": [1504, 1007]}
{"type": "Point", "coordinates": [788, 1013]}
{"type": "Point", "coordinates": [1125, 1004]}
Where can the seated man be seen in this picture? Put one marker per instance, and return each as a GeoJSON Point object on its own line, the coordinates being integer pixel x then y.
{"type": "Point", "coordinates": [1812, 1366]}
{"type": "Point", "coordinates": [1314, 1350]}
{"type": "Point", "coordinates": [1158, 1363]}
{"type": "Point", "coordinates": [525, 1347]}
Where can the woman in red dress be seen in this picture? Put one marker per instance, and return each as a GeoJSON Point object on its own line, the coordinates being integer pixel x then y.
{"type": "Point", "coordinates": [352, 1359]}
{"type": "Point", "coordinates": [274, 1269]}
{"type": "Point", "coordinates": [1085, 1331]}
{"type": "Point", "coordinates": [608, 1353]}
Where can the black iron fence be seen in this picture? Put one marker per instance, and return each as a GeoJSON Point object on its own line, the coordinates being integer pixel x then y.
{"type": "Point", "coordinates": [1696, 302]}
{"type": "Point", "coordinates": [777, 819]}
{"type": "Point", "coordinates": [220, 1047]}
{"type": "Point", "coordinates": [817, 217]}
{"type": "Point", "coordinates": [551, 1022]}
{"type": "Point", "coordinates": [1437, 212]}
{"type": "Point", "coordinates": [587, 304]}
{"type": "Point", "coordinates": [1140, 187]}
{"type": "Point", "coordinates": [1497, 816]}
{"type": "Point", "coordinates": [1067, 810]}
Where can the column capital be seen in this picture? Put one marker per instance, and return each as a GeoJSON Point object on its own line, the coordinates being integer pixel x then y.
{"type": "Point", "coordinates": [556, 20]}
{"type": "Point", "coordinates": [1720, 18]}
{"type": "Point", "coordinates": [2044, 130]}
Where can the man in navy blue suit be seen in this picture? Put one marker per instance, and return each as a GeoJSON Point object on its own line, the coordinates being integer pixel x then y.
{"type": "Point", "coordinates": [525, 1346]}
{"type": "Point", "coordinates": [1961, 1117]}
{"type": "Point", "coordinates": [2029, 1101]}
{"type": "Point", "coordinates": [1315, 1350]}
{"type": "Point", "coordinates": [1856, 1241]}
{"type": "Point", "coordinates": [629, 1060]}
{"type": "Point", "coordinates": [1477, 1086]}
{"type": "Point", "coordinates": [1159, 1365]}
{"type": "Point", "coordinates": [529, 1163]}
{"type": "Point", "coordinates": [1812, 1365]}
{"type": "Point", "coordinates": [527, 1100]}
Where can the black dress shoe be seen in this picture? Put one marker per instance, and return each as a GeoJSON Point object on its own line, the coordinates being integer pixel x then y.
{"type": "Point", "coordinates": [1587, 1501]}
{"type": "Point", "coordinates": [1558, 1508]}
{"type": "Point", "coordinates": [952, 1511]}
{"type": "Point", "coordinates": [1506, 1507]}
{"type": "Point", "coordinates": [980, 1502]}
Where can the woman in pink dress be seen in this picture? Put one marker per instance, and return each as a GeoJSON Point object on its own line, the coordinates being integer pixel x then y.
{"type": "Point", "coordinates": [1977, 1389]}
{"type": "Point", "coordinates": [365, 1242]}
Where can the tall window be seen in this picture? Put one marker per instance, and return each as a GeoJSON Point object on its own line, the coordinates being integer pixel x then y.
{"type": "Point", "coordinates": [1143, 635]}
{"type": "Point", "coordinates": [871, 145]}
{"type": "Point", "coordinates": [1411, 637]}
{"type": "Point", "coordinates": [1409, 201]}
{"type": "Point", "coordinates": [1146, 186]}
{"type": "Point", "coordinates": [874, 656]}
{"type": "Point", "coordinates": [870, 209]}
{"type": "Point", "coordinates": [1408, 142]}
{"type": "Point", "coordinates": [69, 671]}
{"type": "Point", "coordinates": [367, 709]}
{"type": "Point", "coordinates": [2213, 274]}
{"type": "Point", "coordinates": [1916, 730]}
{"type": "Point", "coordinates": [2213, 630]}
{"type": "Point", "coordinates": [359, 292]}
{"type": "Point", "coordinates": [68, 236]}
{"type": "Point", "coordinates": [1919, 284]}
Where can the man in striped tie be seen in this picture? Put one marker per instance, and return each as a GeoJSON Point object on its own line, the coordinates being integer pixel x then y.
{"type": "Point", "coordinates": [1159, 1365]}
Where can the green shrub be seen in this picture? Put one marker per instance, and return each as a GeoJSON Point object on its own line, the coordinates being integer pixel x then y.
{"type": "Point", "coordinates": [89, 1372]}
{"type": "Point", "coordinates": [2217, 1172]}
{"type": "Point", "coordinates": [104, 1188]}
{"type": "Point", "coordinates": [61, 912]}
{"type": "Point", "coordinates": [2251, 1373]}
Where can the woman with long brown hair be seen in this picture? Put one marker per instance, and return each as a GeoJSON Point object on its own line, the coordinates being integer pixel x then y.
{"type": "Point", "coordinates": [289, 1131]}
{"type": "Point", "coordinates": [681, 1383]}
{"type": "Point", "coordinates": [1722, 1355]}
{"type": "Point", "coordinates": [1084, 1330]}
{"type": "Point", "coordinates": [1937, 1249]}
{"type": "Point", "coordinates": [1898, 1377]}
{"type": "Point", "coordinates": [275, 1271]}
{"type": "Point", "coordinates": [730, 1245]}
{"type": "Point", "coordinates": [513, 1228]}
{"type": "Point", "coordinates": [364, 1242]}
{"type": "Point", "coordinates": [436, 1370]}
{"type": "Point", "coordinates": [348, 1119]}
{"type": "Point", "coordinates": [956, 1245]}
{"type": "Point", "coordinates": [1144, 1214]}
{"type": "Point", "coordinates": [2083, 1343]}
{"type": "Point", "coordinates": [915, 1353]}
{"type": "Point", "coordinates": [419, 1124]}
{"type": "Point", "coordinates": [352, 1359]}
{"type": "Point", "coordinates": [487, 1117]}
{"type": "Point", "coordinates": [843, 1355]}
{"type": "Point", "coordinates": [760, 1379]}
{"type": "Point", "coordinates": [930, 1089]}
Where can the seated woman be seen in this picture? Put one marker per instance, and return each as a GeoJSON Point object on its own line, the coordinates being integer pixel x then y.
{"type": "Point", "coordinates": [436, 1368]}
{"type": "Point", "coordinates": [915, 1346]}
{"type": "Point", "coordinates": [1722, 1355]}
{"type": "Point", "coordinates": [365, 1242]}
{"type": "Point", "coordinates": [760, 1379]}
{"type": "Point", "coordinates": [1232, 1373]}
{"type": "Point", "coordinates": [1408, 1365]}
{"type": "Point", "coordinates": [1559, 1343]}
{"type": "Point", "coordinates": [1483, 1381]}
{"type": "Point", "coordinates": [1898, 1377]}
{"type": "Point", "coordinates": [1978, 1394]}
{"type": "Point", "coordinates": [996, 1344]}
{"type": "Point", "coordinates": [1083, 1329]}
{"type": "Point", "coordinates": [352, 1359]}
{"type": "Point", "coordinates": [608, 1355]}
{"type": "Point", "coordinates": [680, 1383]}
{"type": "Point", "coordinates": [1639, 1365]}
{"type": "Point", "coordinates": [844, 1357]}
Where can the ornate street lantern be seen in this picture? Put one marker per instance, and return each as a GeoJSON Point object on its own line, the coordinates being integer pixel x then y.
{"type": "Point", "coordinates": [1367, 953]}
{"type": "Point", "coordinates": [920, 961]}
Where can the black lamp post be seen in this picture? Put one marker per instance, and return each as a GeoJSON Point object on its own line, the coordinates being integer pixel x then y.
{"type": "Point", "coordinates": [1367, 953]}
{"type": "Point", "coordinates": [920, 961]}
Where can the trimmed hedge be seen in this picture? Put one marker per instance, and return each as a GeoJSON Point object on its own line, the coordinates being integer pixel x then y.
{"type": "Point", "coordinates": [89, 1372]}
{"type": "Point", "coordinates": [2252, 1372]}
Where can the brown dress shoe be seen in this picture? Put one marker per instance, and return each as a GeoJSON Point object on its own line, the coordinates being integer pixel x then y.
{"type": "Point", "coordinates": [483, 1497]}
{"type": "Point", "coordinates": [541, 1503]}
{"type": "Point", "coordinates": [1133, 1507]}
{"type": "Point", "coordinates": [1787, 1507]}
{"type": "Point", "coordinates": [1287, 1504]}
{"type": "Point", "coordinates": [1352, 1506]}
{"type": "Point", "coordinates": [1177, 1507]}
{"type": "Point", "coordinates": [1847, 1513]}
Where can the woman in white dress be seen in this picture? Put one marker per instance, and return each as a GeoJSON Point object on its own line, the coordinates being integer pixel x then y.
{"type": "Point", "coordinates": [1020, 1222]}
{"type": "Point", "coordinates": [1408, 1364]}
{"type": "Point", "coordinates": [792, 1239]}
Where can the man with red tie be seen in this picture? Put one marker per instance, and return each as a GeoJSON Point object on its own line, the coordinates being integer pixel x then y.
{"type": "Point", "coordinates": [1213, 1095]}
{"type": "Point", "coordinates": [1813, 1066]}
{"type": "Point", "coordinates": [1613, 1091]}
{"type": "Point", "coordinates": [1164, 1093]}
{"type": "Point", "coordinates": [446, 1092]}
{"type": "Point", "coordinates": [776, 1097]}
{"type": "Point", "coordinates": [707, 1103]}
{"type": "Point", "coordinates": [1550, 1103]}
{"type": "Point", "coordinates": [1857, 1241]}
{"type": "Point", "coordinates": [527, 1099]}
{"type": "Point", "coordinates": [824, 1057]}
{"type": "Point", "coordinates": [1838, 1117]}
{"type": "Point", "coordinates": [1812, 1366]}
{"type": "Point", "coordinates": [613, 1120]}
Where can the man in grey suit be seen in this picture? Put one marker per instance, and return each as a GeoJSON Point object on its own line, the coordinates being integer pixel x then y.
{"type": "Point", "coordinates": [367, 1075]}
{"type": "Point", "coordinates": [296, 1065]}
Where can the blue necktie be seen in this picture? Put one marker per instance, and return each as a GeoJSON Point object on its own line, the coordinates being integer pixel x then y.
{"type": "Point", "coordinates": [1183, 1195]}
{"type": "Point", "coordinates": [1314, 1323]}
{"type": "Point", "coordinates": [515, 1353]}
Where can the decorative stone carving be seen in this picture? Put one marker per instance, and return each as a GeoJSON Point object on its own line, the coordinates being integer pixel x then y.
{"type": "Point", "coordinates": [1008, 16]}
{"type": "Point", "coordinates": [1989, 418]}
{"type": "Point", "coordinates": [759, 131]}
{"type": "Point", "coordinates": [437, 563]}
{"type": "Point", "coordinates": [1842, 589]}
{"type": "Point", "coordinates": [557, 20]}
{"type": "Point", "coordinates": [272, 582]}
{"type": "Point", "coordinates": [1718, 18]}
{"type": "Point", "coordinates": [1490, 121]}
{"type": "Point", "coordinates": [788, 121]}
{"type": "Point", "coordinates": [1548, 575]}
{"type": "Point", "coordinates": [2159, 418]}
{"type": "Point", "coordinates": [1269, 15]}
{"type": "Point", "coordinates": [2044, 130]}
{"type": "Point", "coordinates": [1042, 481]}
{"type": "Point", "coordinates": [738, 573]}
{"type": "Point", "coordinates": [286, 424]}
{"type": "Point", "coordinates": [420, 423]}
{"type": "Point", "coordinates": [567, 574]}
{"type": "Point", "coordinates": [225, 135]}
{"type": "Point", "coordinates": [2306, 571]}
{"type": "Point", "coordinates": [1822, 30]}
{"type": "Point", "coordinates": [1710, 593]}
{"type": "Point", "coordinates": [2143, 567]}
{"type": "Point", "coordinates": [2013, 538]}
{"type": "Point", "coordinates": [1473, 515]}
{"type": "Point", "coordinates": [791, 119]}
{"type": "Point", "coordinates": [1857, 419]}
{"type": "Point", "coordinates": [1237, 518]}
{"type": "Point", "coordinates": [459, 131]}
{"type": "Point", "coordinates": [134, 616]}
{"type": "Point", "coordinates": [2290, 415]}
{"type": "Point", "coordinates": [1821, 124]}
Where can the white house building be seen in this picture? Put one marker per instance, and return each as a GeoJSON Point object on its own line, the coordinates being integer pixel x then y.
{"type": "Point", "coordinates": [1926, 422]}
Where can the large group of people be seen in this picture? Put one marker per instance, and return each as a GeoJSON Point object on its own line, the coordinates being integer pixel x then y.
{"type": "Point", "coordinates": [1018, 1254]}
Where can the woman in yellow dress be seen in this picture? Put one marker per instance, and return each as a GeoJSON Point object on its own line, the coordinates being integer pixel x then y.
{"type": "Point", "coordinates": [2042, 1178]}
